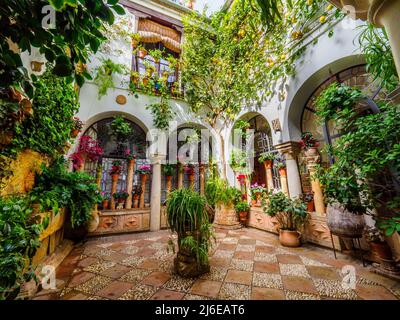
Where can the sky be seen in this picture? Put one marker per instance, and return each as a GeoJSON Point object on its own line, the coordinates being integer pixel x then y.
{"type": "Point", "coordinates": [213, 5]}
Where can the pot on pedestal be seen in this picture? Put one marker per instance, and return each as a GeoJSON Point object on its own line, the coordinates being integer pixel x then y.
{"type": "Point", "coordinates": [342, 222]}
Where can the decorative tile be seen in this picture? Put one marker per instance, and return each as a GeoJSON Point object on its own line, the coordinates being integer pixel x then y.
{"type": "Point", "coordinates": [265, 257]}
{"type": "Point", "coordinates": [164, 294]}
{"type": "Point", "coordinates": [223, 254]}
{"type": "Point", "coordinates": [258, 293]}
{"type": "Point", "coordinates": [241, 277]}
{"type": "Point", "coordinates": [93, 285]}
{"type": "Point", "coordinates": [244, 265]}
{"type": "Point", "coordinates": [135, 275]}
{"type": "Point", "coordinates": [207, 288]}
{"type": "Point", "coordinates": [114, 290]}
{"type": "Point", "coordinates": [178, 283]}
{"type": "Point", "coordinates": [130, 250]}
{"type": "Point", "coordinates": [140, 292]}
{"type": "Point", "coordinates": [312, 262]}
{"type": "Point", "coordinates": [230, 240]}
{"type": "Point", "coordinates": [297, 270]}
{"type": "Point", "coordinates": [133, 261]}
{"type": "Point", "coordinates": [232, 291]}
{"type": "Point", "coordinates": [195, 297]}
{"type": "Point", "coordinates": [300, 284]}
{"type": "Point", "coordinates": [246, 247]}
{"type": "Point", "coordinates": [334, 289]}
{"type": "Point", "coordinates": [216, 273]}
{"type": "Point", "coordinates": [100, 267]}
{"type": "Point", "coordinates": [267, 280]}
{"type": "Point", "coordinates": [296, 295]}
{"type": "Point", "coordinates": [156, 279]}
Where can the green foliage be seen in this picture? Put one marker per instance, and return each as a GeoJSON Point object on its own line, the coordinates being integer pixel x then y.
{"type": "Point", "coordinates": [79, 30]}
{"type": "Point", "coordinates": [242, 206]}
{"type": "Point", "coordinates": [104, 75]}
{"type": "Point", "coordinates": [49, 128]}
{"type": "Point", "coordinates": [187, 217]}
{"type": "Point", "coordinates": [375, 46]}
{"type": "Point", "coordinates": [19, 239]}
{"type": "Point", "coordinates": [238, 160]}
{"type": "Point", "coordinates": [290, 214]}
{"type": "Point", "coordinates": [169, 169]}
{"type": "Point", "coordinates": [266, 156]}
{"type": "Point", "coordinates": [162, 114]}
{"type": "Point", "coordinates": [217, 192]}
{"type": "Point", "coordinates": [121, 128]}
{"type": "Point", "coordinates": [57, 188]}
{"type": "Point", "coordinates": [336, 100]}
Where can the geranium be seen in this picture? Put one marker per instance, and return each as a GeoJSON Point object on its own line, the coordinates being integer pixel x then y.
{"type": "Point", "coordinates": [189, 169]}
{"type": "Point", "coordinates": [241, 178]}
{"type": "Point", "coordinates": [256, 188]}
{"type": "Point", "coordinates": [77, 160]}
{"type": "Point", "coordinates": [307, 141]}
{"type": "Point", "coordinates": [90, 147]}
{"type": "Point", "coordinates": [116, 167]}
{"type": "Point", "coordinates": [144, 169]}
{"type": "Point", "coordinates": [129, 154]}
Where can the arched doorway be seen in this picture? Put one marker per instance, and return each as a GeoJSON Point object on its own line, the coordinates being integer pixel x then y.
{"type": "Point", "coordinates": [102, 132]}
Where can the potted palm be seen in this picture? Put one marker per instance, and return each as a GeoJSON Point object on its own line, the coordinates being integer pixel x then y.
{"type": "Point", "coordinates": [187, 216]}
{"type": "Point", "coordinates": [242, 208]}
{"type": "Point", "coordinates": [290, 214]}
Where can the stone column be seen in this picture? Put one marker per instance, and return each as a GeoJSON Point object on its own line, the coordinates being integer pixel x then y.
{"type": "Point", "coordinates": [180, 176]}
{"type": "Point", "coordinates": [269, 175]}
{"type": "Point", "coordinates": [129, 183]}
{"type": "Point", "coordinates": [290, 150]}
{"type": "Point", "coordinates": [143, 181]}
{"type": "Point", "coordinates": [312, 162]}
{"type": "Point", "coordinates": [284, 181]}
{"type": "Point", "coordinates": [114, 182]}
{"type": "Point", "coordinates": [202, 180]}
{"type": "Point", "coordinates": [155, 213]}
{"type": "Point", "coordinates": [381, 13]}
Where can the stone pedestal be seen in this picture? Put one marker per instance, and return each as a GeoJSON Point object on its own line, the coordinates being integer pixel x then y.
{"type": "Point", "coordinates": [129, 183]}
{"type": "Point", "coordinates": [143, 181]}
{"type": "Point", "coordinates": [284, 181]}
{"type": "Point", "coordinates": [290, 150]}
{"type": "Point", "coordinates": [114, 181]}
{"type": "Point", "coordinates": [226, 217]}
{"type": "Point", "coordinates": [268, 173]}
{"type": "Point", "coordinates": [202, 179]}
{"type": "Point", "coordinates": [312, 162]}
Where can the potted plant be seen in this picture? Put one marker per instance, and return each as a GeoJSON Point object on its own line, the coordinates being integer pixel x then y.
{"type": "Point", "coordinates": [172, 62]}
{"type": "Point", "coordinates": [187, 216]}
{"type": "Point", "coordinates": [376, 240]}
{"type": "Point", "coordinates": [169, 171]}
{"type": "Point", "coordinates": [120, 197]}
{"type": "Point", "coordinates": [78, 125]}
{"type": "Point", "coordinates": [267, 158]}
{"type": "Point", "coordinates": [141, 51]}
{"type": "Point", "coordinates": [309, 144]}
{"type": "Point", "coordinates": [156, 55]}
{"type": "Point", "coordinates": [130, 156]}
{"type": "Point", "coordinates": [105, 200]}
{"type": "Point", "coordinates": [189, 170]}
{"type": "Point", "coordinates": [115, 170]}
{"type": "Point", "coordinates": [136, 192]}
{"type": "Point", "coordinates": [135, 39]}
{"type": "Point", "coordinates": [120, 128]}
{"type": "Point", "coordinates": [144, 171]}
{"type": "Point", "coordinates": [281, 166]}
{"type": "Point", "coordinates": [290, 214]}
{"type": "Point", "coordinates": [150, 68]}
{"type": "Point", "coordinates": [88, 149]}
{"type": "Point", "coordinates": [308, 198]}
{"type": "Point", "coordinates": [243, 209]}
{"type": "Point", "coordinates": [135, 77]}
{"type": "Point", "coordinates": [258, 191]}
{"type": "Point", "coordinates": [242, 179]}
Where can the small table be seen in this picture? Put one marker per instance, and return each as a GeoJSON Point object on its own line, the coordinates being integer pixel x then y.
{"type": "Point", "coordinates": [352, 238]}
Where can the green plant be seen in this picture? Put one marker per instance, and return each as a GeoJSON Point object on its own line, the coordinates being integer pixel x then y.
{"type": "Point", "coordinates": [121, 129]}
{"type": "Point", "coordinates": [120, 195]}
{"type": "Point", "coordinates": [136, 37]}
{"type": "Point", "coordinates": [280, 165]}
{"type": "Point", "coordinates": [116, 167]}
{"type": "Point", "coordinates": [49, 128]}
{"type": "Point", "coordinates": [19, 239]}
{"type": "Point", "coordinates": [172, 62]}
{"type": "Point", "coordinates": [79, 31]}
{"type": "Point", "coordinates": [336, 99]}
{"type": "Point", "coordinates": [242, 206]}
{"type": "Point", "coordinates": [238, 160]}
{"type": "Point", "coordinates": [104, 75]}
{"type": "Point", "coordinates": [57, 188]}
{"type": "Point", "coordinates": [290, 214]}
{"type": "Point", "coordinates": [187, 217]}
{"type": "Point", "coordinates": [156, 54]}
{"type": "Point", "coordinates": [307, 141]}
{"type": "Point", "coordinates": [169, 169]}
{"type": "Point", "coordinates": [218, 192]}
{"type": "Point", "coordinates": [162, 114]}
{"type": "Point", "coordinates": [266, 156]}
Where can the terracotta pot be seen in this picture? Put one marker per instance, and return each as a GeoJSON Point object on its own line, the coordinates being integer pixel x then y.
{"type": "Point", "coordinates": [382, 249]}
{"type": "Point", "coordinates": [114, 177]}
{"type": "Point", "coordinates": [268, 164]}
{"type": "Point", "coordinates": [121, 200]}
{"type": "Point", "coordinates": [344, 223]}
{"type": "Point", "coordinates": [311, 152]}
{"type": "Point", "coordinates": [289, 238]}
{"type": "Point", "coordinates": [143, 178]}
{"type": "Point", "coordinates": [253, 202]}
{"type": "Point", "coordinates": [310, 206]}
{"type": "Point", "coordinates": [142, 53]}
{"type": "Point", "coordinates": [131, 163]}
{"type": "Point", "coordinates": [243, 216]}
{"type": "Point", "coordinates": [74, 133]}
{"type": "Point", "coordinates": [105, 204]}
{"type": "Point", "coordinates": [282, 172]}
{"type": "Point", "coordinates": [191, 177]}
{"type": "Point", "coordinates": [145, 81]}
{"type": "Point", "coordinates": [168, 179]}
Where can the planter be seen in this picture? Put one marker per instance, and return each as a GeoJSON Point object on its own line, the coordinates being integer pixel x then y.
{"type": "Point", "coordinates": [282, 172]}
{"type": "Point", "coordinates": [115, 177]}
{"type": "Point", "coordinates": [145, 81]}
{"type": "Point", "coordinates": [74, 133]}
{"type": "Point", "coordinates": [131, 163]}
{"type": "Point", "coordinates": [105, 204]}
{"type": "Point", "coordinates": [344, 223]}
{"type": "Point", "coordinates": [381, 249]}
{"type": "Point", "coordinates": [268, 164]}
{"type": "Point", "coordinates": [311, 152]}
{"type": "Point", "coordinates": [289, 238]}
{"type": "Point", "coordinates": [310, 206]}
{"type": "Point", "coordinates": [142, 53]}
{"type": "Point", "coordinates": [243, 217]}
{"type": "Point", "coordinates": [191, 178]}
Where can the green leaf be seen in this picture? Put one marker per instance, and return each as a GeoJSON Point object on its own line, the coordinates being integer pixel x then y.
{"type": "Point", "coordinates": [118, 9]}
{"type": "Point", "coordinates": [57, 4]}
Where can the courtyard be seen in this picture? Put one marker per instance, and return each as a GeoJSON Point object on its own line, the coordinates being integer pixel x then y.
{"type": "Point", "coordinates": [245, 264]}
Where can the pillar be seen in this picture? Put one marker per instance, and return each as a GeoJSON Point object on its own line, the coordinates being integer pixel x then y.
{"type": "Point", "coordinates": [155, 209]}
{"type": "Point", "coordinates": [202, 179]}
{"type": "Point", "coordinates": [129, 183]}
{"type": "Point", "coordinates": [312, 162]}
{"type": "Point", "coordinates": [114, 182]}
{"type": "Point", "coordinates": [284, 181]}
{"type": "Point", "coordinates": [180, 176]}
{"type": "Point", "coordinates": [269, 175]}
{"type": "Point", "coordinates": [143, 181]}
{"type": "Point", "coordinates": [290, 150]}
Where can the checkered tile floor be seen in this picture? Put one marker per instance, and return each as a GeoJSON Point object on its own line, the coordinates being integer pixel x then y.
{"type": "Point", "coordinates": [245, 264]}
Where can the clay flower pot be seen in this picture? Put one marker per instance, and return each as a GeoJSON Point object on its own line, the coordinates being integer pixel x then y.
{"type": "Point", "coordinates": [289, 238]}
{"type": "Point", "coordinates": [310, 206]}
{"type": "Point", "coordinates": [268, 164]}
{"type": "Point", "coordinates": [131, 163]}
{"type": "Point", "coordinates": [191, 177]}
{"type": "Point", "coordinates": [114, 177]}
{"type": "Point", "coordinates": [143, 178]}
{"type": "Point", "coordinates": [381, 249]}
{"type": "Point", "coordinates": [282, 172]}
{"type": "Point", "coordinates": [105, 204]}
{"type": "Point", "coordinates": [243, 217]}
{"type": "Point", "coordinates": [253, 202]}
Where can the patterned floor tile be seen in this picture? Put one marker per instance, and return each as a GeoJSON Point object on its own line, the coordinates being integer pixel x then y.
{"type": "Point", "coordinates": [178, 283]}
{"type": "Point", "coordinates": [267, 280]}
{"type": "Point", "coordinates": [233, 291]}
{"type": "Point", "coordinates": [135, 275]}
{"type": "Point", "coordinates": [216, 273]}
{"type": "Point", "coordinates": [100, 267]}
{"type": "Point", "coordinates": [265, 257]}
{"type": "Point", "coordinates": [239, 264]}
{"type": "Point", "coordinates": [93, 285]}
{"type": "Point", "coordinates": [296, 295]}
{"type": "Point", "coordinates": [290, 269]}
{"type": "Point", "coordinates": [140, 292]}
{"type": "Point", "coordinates": [334, 289]}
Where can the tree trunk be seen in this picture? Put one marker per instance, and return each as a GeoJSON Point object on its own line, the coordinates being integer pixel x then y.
{"type": "Point", "coordinates": [223, 169]}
